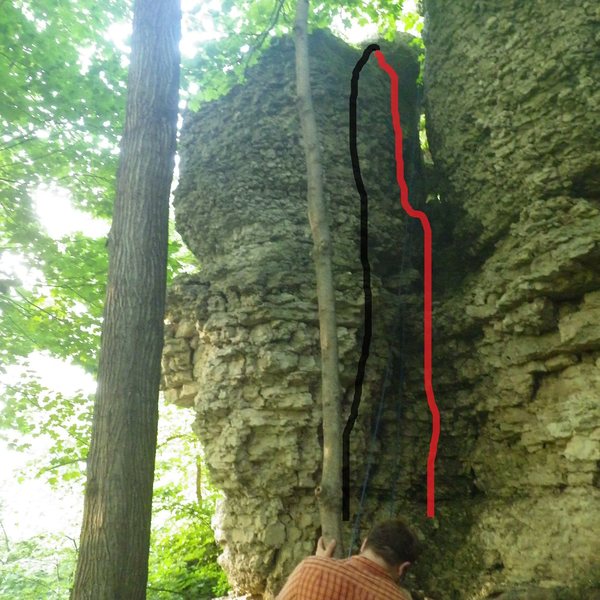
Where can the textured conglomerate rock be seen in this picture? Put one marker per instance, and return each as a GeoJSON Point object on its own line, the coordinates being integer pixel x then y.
{"type": "Point", "coordinates": [513, 106]}
{"type": "Point", "coordinates": [242, 345]}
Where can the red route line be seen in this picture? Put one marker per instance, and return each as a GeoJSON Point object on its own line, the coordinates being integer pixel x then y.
{"type": "Point", "coordinates": [417, 214]}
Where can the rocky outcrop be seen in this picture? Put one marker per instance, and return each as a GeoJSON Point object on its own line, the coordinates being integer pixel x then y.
{"type": "Point", "coordinates": [512, 103]}
{"type": "Point", "coordinates": [242, 340]}
{"type": "Point", "coordinates": [512, 98]}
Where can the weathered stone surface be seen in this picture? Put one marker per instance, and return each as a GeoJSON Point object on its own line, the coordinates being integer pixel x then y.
{"type": "Point", "coordinates": [185, 329]}
{"type": "Point", "coordinates": [246, 326]}
{"type": "Point", "coordinates": [511, 107]}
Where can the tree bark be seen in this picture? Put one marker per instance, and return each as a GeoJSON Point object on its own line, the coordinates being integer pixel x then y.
{"type": "Point", "coordinates": [115, 536]}
{"type": "Point", "coordinates": [329, 491]}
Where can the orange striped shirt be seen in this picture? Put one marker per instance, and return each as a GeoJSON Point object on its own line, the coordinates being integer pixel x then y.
{"type": "Point", "coordinates": [355, 578]}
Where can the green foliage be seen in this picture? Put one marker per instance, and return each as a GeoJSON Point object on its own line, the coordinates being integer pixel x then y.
{"type": "Point", "coordinates": [39, 567]}
{"type": "Point", "coordinates": [182, 559]}
{"type": "Point", "coordinates": [31, 411]}
{"type": "Point", "coordinates": [244, 29]}
{"type": "Point", "coordinates": [62, 103]}
{"type": "Point", "coordinates": [61, 118]}
{"type": "Point", "coordinates": [183, 551]}
{"type": "Point", "coordinates": [59, 309]}
{"type": "Point", "coordinates": [61, 109]}
{"type": "Point", "coordinates": [240, 31]}
{"type": "Point", "coordinates": [183, 556]}
{"type": "Point", "coordinates": [180, 259]}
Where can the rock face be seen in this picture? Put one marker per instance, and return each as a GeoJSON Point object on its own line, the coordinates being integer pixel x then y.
{"type": "Point", "coordinates": [242, 344]}
{"type": "Point", "coordinates": [512, 105]}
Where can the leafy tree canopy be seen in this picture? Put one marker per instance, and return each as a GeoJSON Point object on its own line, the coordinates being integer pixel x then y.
{"type": "Point", "coordinates": [245, 27]}
{"type": "Point", "coordinates": [61, 109]}
{"type": "Point", "coordinates": [61, 106]}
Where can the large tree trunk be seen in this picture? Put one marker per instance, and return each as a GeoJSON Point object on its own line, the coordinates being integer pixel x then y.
{"type": "Point", "coordinates": [113, 558]}
{"type": "Point", "coordinates": [329, 492]}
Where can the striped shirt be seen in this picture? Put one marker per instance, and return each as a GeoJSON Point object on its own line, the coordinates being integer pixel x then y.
{"type": "Point", "coordinates": [355, 578]}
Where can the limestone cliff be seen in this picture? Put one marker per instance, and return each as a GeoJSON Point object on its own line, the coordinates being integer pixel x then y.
{"type": "Point", "coordinates": [512, 102]}
{"type": "Point", "coordinates": [242, 347]}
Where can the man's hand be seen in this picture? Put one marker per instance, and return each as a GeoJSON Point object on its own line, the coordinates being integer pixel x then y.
{"type": "Point", "coordinates": [323, 550]}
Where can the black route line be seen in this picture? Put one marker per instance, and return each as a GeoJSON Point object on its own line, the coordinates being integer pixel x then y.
{"type": "Point", "coordinates": [364, 259]}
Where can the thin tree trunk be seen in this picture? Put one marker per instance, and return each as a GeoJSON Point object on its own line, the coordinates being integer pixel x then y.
{"type": "Point", "coordinates": [199, 479]}
{"type": "Point", "coordinates": [329, 492]}
{"type": "Point", "coordinates": [115, 536]}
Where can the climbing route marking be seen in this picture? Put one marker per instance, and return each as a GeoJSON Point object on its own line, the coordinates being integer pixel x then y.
{"type": "Point", "coordinates": [364, 259]}
{"type": "Point", "coordinates": [427, 286]}
{"type": "Point", "coordinates": [427, 291]}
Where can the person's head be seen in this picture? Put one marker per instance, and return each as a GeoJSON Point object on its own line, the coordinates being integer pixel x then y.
{"type": "Point", "coordinates": [393, 543]}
